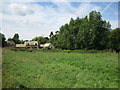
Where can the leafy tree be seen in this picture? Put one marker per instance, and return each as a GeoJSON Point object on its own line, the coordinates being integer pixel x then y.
{"type": "Point", "coordinates": [99, 30]}
{"type": "Point", "coordinates": [2, 39]}
{"type": "Point", "coordinates": [76, 29]}
{"type": "Point", "coordinates": [54, 41]}
{"type": "Point", "coordinates": [41, 40]}
{"type": "Point", "coordinates": [83, 35]}
{"type": "Point", "coordinates": [90, 32]}
{"type": "Point", "coordinates": [10, 39]}
{"type": "Point", "coordinates": [115, 39]}
{"type": "Point", "coordinates": [16, 38]}
{"type": "Point", "coordinates": [51, 34]}
{"type": "Point", "coordinates": [22, 41]}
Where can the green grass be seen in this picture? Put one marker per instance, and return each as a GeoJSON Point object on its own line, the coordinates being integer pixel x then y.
{"type": "Point", "coordinates": [63, 69]}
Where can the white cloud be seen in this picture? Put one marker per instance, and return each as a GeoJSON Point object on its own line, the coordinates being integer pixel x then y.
{"type": "Point", "coordinates": [114, 24]}
{"type": "Point", "coordinates": [17, 9]}
{"type": "Point", "coordinates": [30, 20]}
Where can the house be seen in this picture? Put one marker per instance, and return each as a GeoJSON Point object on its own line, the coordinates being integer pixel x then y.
{"type": "Point", "coordinates": [46, 45]}
{"type": "Point", "coordinates": [29, 44]}
{"type": "Point", "coordinates": [10, 43]}
{"type": "Point", "coordinates": [20, 45]}
{"type": "Point", "coordinates": [34, 44]}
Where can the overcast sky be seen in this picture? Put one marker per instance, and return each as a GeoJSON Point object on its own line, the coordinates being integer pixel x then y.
{"type": "Point", "coordinates": [31, 19]}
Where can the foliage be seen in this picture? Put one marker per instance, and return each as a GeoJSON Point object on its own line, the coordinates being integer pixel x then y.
{"type": "Point", "coordinates": [22, 49]}
{"type": "Point", "coordinates": [15, 39]}
{"type": "Point", "coordinates": [90, 32]}
{"type": "Point", "coordinates": [2, 40]}
{"type": "Point", "coordinates": [115, 39]}
{"type": "Point", "coordinates": [41, 40]}
{"type": "Point", "coordinates": [22, 41]}
{"type": "Point", "coordinates": [51, 34]}
{"type": "Point", "coordinates": [10, 39]}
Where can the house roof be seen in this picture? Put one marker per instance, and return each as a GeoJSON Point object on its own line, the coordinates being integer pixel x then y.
{"type": "Point", "coordinates": [10, 42]}
{"type": "Point", "coordinates": [45, 45]}
{"type": "Point", "coordinates": [31, 42]}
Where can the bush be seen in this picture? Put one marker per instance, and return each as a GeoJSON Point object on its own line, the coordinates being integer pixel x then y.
{"type": "Point", "coordinates": [46, 48]}
{"type": "Point", "coordinates": [22, 49]}
{"type": "Point", "coordinates": [14, 49]}
{"type": "Point", "coordinates": [81, 51]}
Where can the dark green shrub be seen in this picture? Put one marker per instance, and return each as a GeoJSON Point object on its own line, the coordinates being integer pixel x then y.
{"type": "Point", "coordinates": [14, 49]}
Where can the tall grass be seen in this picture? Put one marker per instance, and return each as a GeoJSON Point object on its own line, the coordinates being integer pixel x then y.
{"type": "Point", "coordinates": [62, 69]}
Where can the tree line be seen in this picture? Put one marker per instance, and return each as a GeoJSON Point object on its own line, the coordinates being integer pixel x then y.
{"type": "Point", "coordinates": [90, 32]}
{"type": "Point", "coordinates": [16, 40]}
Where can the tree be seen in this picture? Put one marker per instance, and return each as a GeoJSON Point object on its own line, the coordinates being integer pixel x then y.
{"type": "Point", "coordinates": [63, 38]}
{"type": "Point", "coordinates": [16, 38]}
{"type": "Point", "coordinates": [115, 39]}
{"type": "Point", "coordinates": [10, 39]}
{"type": "Point", "coordinates": [51, 34]}
{"type": "Point", "coordinates": [83, 35]}
{"type": "Point", "coordinates": [41, 40]}
{"type": "Point", "coordinates": [99, 31]}
{"type": "Point", "coordinates": [90, 32]}
{"type": "Point", "coordinates": [22, 41]}
{"type": "Point", "coordinates": [2, 39]}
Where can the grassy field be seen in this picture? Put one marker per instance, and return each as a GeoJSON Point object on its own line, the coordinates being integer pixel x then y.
{"type": "Point", "coordinates": [64, 69]}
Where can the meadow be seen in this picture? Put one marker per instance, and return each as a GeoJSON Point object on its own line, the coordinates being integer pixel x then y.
{"type": "Point", "coordinates": [59, 69]}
